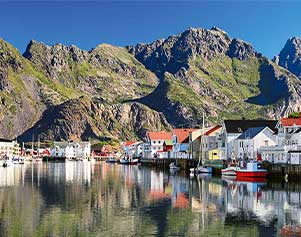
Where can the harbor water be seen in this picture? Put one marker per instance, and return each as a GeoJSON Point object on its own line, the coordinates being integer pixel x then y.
{"type": "Point", "coordinates": [100, 199]}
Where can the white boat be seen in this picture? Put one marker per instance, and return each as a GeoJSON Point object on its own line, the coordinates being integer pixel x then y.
{"type": "Point", "coordinates": [204, 169]}
{"type": "Point", "coordinates": [123, 161]}
{"type": "Point", "coordinates": [173, 167]}
{"type": "Point", "coordinates": [133, 161]}
{"type": "Point", "coordinates": [230, 171]}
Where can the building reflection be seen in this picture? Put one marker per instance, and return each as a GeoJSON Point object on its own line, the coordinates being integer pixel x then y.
{"type": "Point", "coordinates": [92, 198]}
{"type": "Point", "coordinates": [12, 175]}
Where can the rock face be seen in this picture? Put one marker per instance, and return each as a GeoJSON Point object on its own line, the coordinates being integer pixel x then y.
{"type": "Point", "coordinates": [93, 119]}
{"type": "Point", "coordinates": [4, 83]}
{"type": "Point", "coordinates": [174, 53]}
{"type": "Point", "coordinates": [108, 71]}
{"type": "Point", "coordinates": [207, 71]}
{"type": "Point", "coordinates": [60, 92]}
{"type": "Point", "coordinates": [290, 56]}
{"type": "Point", "coordinates": [240, 50]}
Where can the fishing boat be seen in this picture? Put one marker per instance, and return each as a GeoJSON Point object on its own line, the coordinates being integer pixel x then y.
{"type": "Point", "coordinates": [230, 171]}
{"type": "Point", "coordinates": [204, 169]}
{"type": "Point", "coordinates": [253, 170]}
{"type": "Point", "coordinates": [173, 167]}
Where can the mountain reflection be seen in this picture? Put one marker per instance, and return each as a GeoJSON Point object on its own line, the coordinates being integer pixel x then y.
{"type": "Point", "coordinates": [99, 199]}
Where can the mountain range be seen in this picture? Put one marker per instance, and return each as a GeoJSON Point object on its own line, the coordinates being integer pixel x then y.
{"type": "Point", "coordinates": [62, 92]}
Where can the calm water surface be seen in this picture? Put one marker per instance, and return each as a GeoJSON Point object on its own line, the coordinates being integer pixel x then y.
{"type": "Point", "coordinates": [99, 199]}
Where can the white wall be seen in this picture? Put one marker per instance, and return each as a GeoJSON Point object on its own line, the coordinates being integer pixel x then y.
{"type": "Point", "coordinates": [295, 158]}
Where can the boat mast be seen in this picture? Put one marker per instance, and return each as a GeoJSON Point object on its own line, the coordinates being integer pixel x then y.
{"type": "Point", "coordinates": [202, 134]}
{"type": "Point", "coordinates": [32, 147]}
{"type": "Point", "coordinates": [38, 146]}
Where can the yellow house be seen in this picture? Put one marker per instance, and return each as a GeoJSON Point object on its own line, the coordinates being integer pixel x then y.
{"type": "Point", "coordinates": [214, 154]}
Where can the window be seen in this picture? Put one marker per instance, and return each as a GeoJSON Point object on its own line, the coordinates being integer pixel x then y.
{"type": "Point", "coordinates": [266, 142]}
{"type": "Point", "coordinates": [241, 144]}
{"type": "Point", "coordinates": [154, 142]}
{"type": "Point", "coordinates": [159, 142]}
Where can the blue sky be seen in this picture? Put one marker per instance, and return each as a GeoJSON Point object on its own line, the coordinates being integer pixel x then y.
{"type": "Point", "coordinates": [267, 25]}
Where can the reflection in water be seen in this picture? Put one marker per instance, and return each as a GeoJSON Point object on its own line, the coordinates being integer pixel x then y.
{"type": "Point", "coordinates": [99, 199]}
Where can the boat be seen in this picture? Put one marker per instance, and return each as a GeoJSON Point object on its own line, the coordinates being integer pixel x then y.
{"type": "Point", "coordinates": [134, 161]}
{"type": "Point", "coordinates": [18, 160]}
{"type": "Point", "coordinates": [123, 161]}
{"type": "Point", "coordinates": [253, 170]}
{"type": "Point", "coordinates": [173, 167]}
{"type": "Point", "coordinates": [204, 169]}
{"type": "Point", "coordinates": [230, 171]}
{"type": "Point", "coordinates": [111, 160]}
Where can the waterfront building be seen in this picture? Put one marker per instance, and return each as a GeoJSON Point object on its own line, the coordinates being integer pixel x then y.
{"type": "Point", "coordinates": [250, 141]}
{"type": "Point", "coordinates": [232, 129]}
{"type": "Point", "coordinates": [9, 148]}
{"type": "Point", "coordinates": [155, 141]}
{"type": "Point", "coordinates": [289, 131]}
{"type": "Point", "coordinates": [288, 146]}
{"type": "Point", "coordinates": [70, 149]}
{"type": "Point", "coordinates": [210, 144]}
{"type": "Point", "coordinates": [132, 148]}
{"type": "Point", "coordinates": [182, 138]}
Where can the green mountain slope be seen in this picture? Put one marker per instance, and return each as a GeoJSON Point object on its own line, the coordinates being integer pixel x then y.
{"type": "Point", "coordinates": [223, 77]}
{"type": "Point", "coordinates": [62, 92]}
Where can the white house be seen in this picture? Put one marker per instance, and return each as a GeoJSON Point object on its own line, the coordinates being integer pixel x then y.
{"type": "Point", "coordinates": [157, 144]}
{"type": "Point", "coordinates": [250, 141]}
{"type": "Point", "coordinates": [288, 142]}
{"type": "Point", "coordinates": [71, 149]}
{"type": "Point", "coordinates": [181, 140]}
{"type": "Point", "coordinates": [132, 148]}
{"type": "Point", "coordinates": [274, 154]}
{"type": "Point", "coordinates": [232, 129]}
{"type": "Point", "coordinates": [9, 148]}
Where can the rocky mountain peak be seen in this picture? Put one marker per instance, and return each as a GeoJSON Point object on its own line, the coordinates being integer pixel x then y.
{"type": "Point", "coordinates": [290, 56]}
{"type": "Point", "coordinates": [9, 59]}
{"type": "Point", "coordinates": [174, 53]}
{"type": "Point", "coordinates": [240, 49]}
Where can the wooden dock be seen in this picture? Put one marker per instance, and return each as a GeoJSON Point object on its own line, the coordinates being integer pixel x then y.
{"type": "Point", "coordinates": [165, 162]}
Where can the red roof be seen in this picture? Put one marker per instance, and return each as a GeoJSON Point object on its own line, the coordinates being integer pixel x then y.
{"type": "Point", "coordinates": [213, 130]}
{"type": "Point", "coordinates": [128, 143]}
{"type": "Point", "coordinates": [291, 121]}
{"type": "Point", "coordinates": [162, 135]}
{"type": "Point", "coordinates": [183, 134]}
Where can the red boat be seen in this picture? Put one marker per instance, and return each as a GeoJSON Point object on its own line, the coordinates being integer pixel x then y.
{"type": "Point", "coordinates": [253, 170]}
